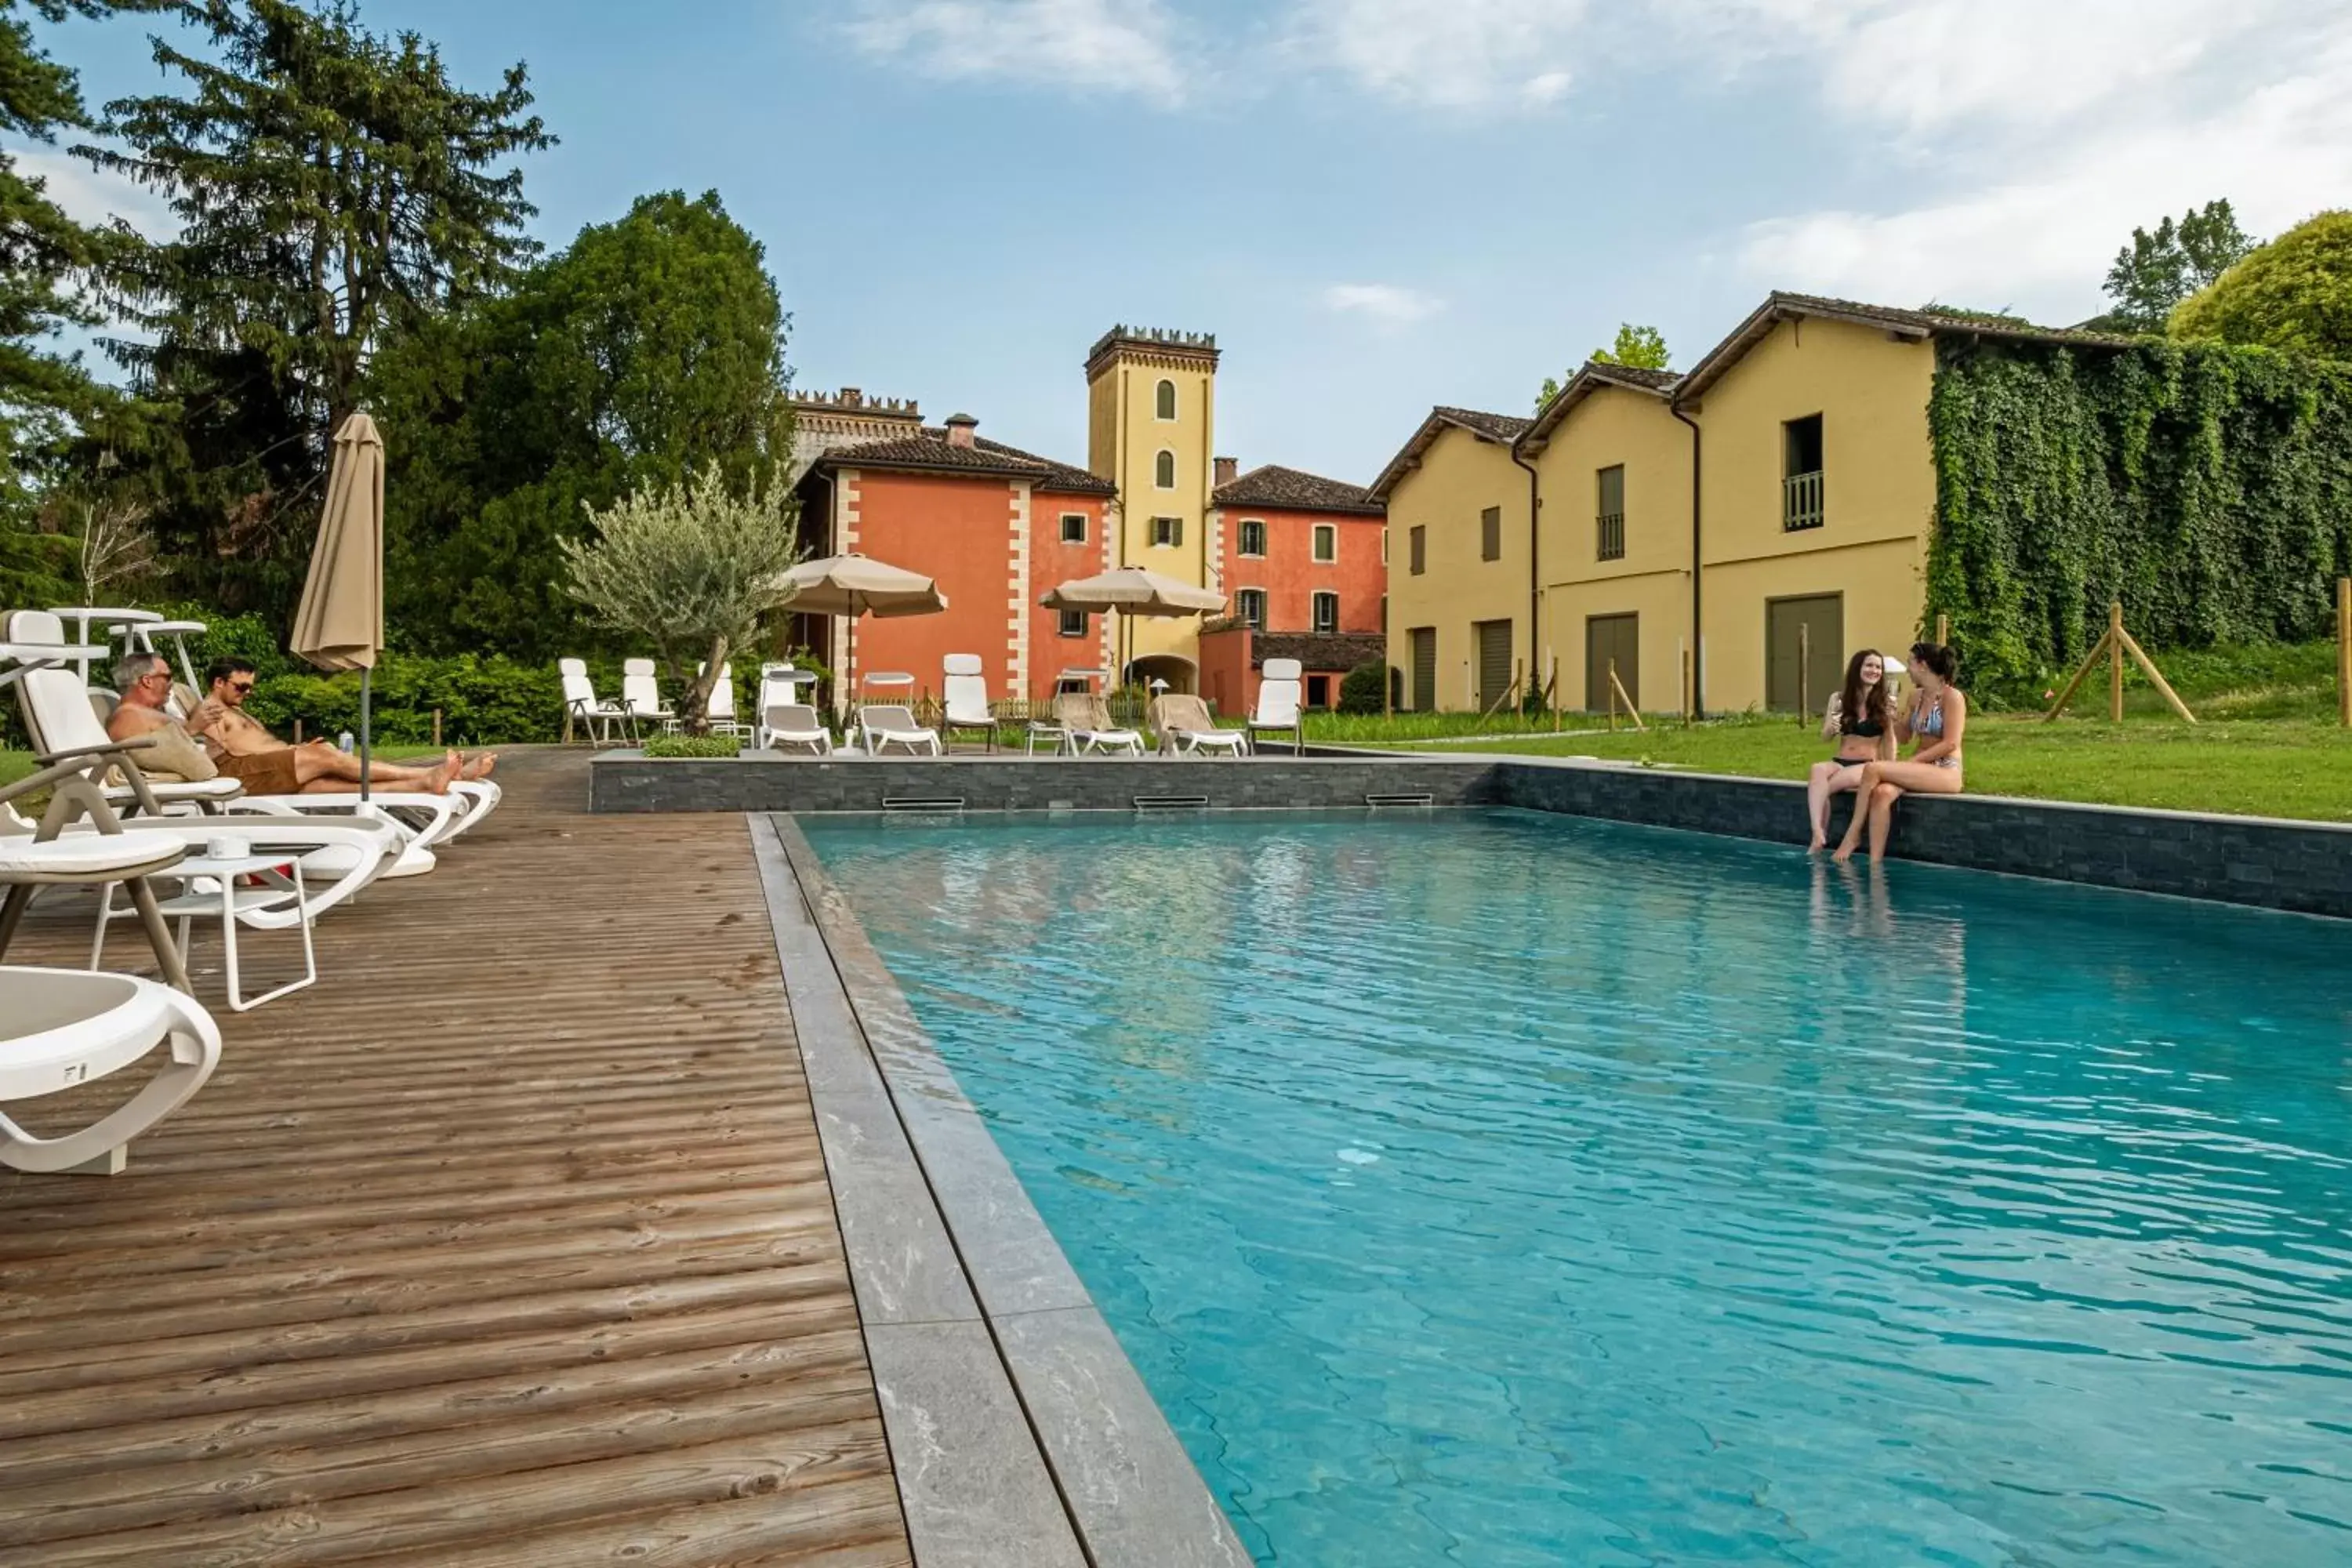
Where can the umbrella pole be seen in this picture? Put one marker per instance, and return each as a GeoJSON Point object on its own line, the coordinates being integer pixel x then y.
{"type": "Point", "coordinates": [367, 765]}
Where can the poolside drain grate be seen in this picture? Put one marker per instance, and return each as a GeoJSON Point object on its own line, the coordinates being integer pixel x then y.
{"type": "Point", "coordinates": [1380, 800]}
{"type": "Point", "coordinates": [1171, 802]}
{"type": "Point", "coordinates": [922, 803]}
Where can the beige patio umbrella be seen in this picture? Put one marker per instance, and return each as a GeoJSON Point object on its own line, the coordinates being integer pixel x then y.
{"type": "Point", "coordinates": [1133, 590]}
{"type": "Point", "coordinates": [339, 622]}
{"type": "Point", "coordinates": [854, 586]}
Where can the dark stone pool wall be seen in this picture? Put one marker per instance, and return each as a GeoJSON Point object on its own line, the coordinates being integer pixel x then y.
{"type": "Point", "coordinates": [2303, 867]}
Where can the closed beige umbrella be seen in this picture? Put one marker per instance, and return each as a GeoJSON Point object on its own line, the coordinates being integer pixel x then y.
{"type": "Point", "coordinates": [1133, 590]}
{"type": "Point", "coordinates": [339, 622]}
{"type": "Point", "coordinates": [854, 586]}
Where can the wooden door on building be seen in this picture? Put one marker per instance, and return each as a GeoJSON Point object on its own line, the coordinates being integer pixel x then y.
{"type": "Point", "coordinates": [1607, 638]}
{"type": "Point", "coordinates": [1424, 669]}
{"type": "Point", "coordinates": [1816, 624]}
{"type": "Point", "coordinates": [1494, 640]}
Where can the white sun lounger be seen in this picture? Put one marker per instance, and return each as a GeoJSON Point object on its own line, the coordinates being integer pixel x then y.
{"type": "Point", "coordinates": [57, 711]}
{"type": "Point", "coordinates": [887, 724]}
{"type": "Point", "coordinates": [60, 1027]}
{"type": "Point", "coordinates": [597, 719]}
{"type": "Point", "coordinates": [1278, 699]}
{"type": "Point", "coordinates": [1086, 717]}
{"type": "Point", "coordinates": [966, 692]}
{"type": "Point", "coordinates": [790, 724]}
{"type": "Point", "coordinates": [1185, 728]}
{"type": "Point", "coordinates": [641, 693]}
{"type": "Point", "coordinates": [720, 708]}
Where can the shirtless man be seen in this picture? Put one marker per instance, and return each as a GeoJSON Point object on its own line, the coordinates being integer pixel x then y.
{"type": "Point", "coordinates": [244, 750]}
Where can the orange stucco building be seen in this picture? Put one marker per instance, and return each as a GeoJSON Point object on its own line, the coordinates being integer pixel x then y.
{"type": "Point", "coordinates": [994, 526]}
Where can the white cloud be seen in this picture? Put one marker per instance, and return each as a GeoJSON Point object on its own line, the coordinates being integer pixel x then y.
{"type": "Point", "coordinates": [2031, 211]}
{"type": "Point", "coordinates": [1114, 46]}
{"type": "Point", "coordinates": [89, 196]}
{"type": "Point", "coordinates": [1445, 54]}
{"type": "Point", "coordinates": [1385, 303]}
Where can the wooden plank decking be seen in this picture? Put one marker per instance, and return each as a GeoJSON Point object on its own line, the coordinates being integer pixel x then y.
{"type": "Point", "coordinates": [509, 1242]}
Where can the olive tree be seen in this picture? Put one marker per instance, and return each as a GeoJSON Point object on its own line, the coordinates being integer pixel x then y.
{"type": "Point", "coordinates": [693, 568]}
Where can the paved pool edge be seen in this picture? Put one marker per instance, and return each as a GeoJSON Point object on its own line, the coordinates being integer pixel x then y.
{"type": "Point", "coordinates": [1020, 1431]}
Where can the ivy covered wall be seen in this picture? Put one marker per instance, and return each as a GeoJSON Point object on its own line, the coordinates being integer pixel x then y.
{"type": "Point", "coordinates": [2210, 488]}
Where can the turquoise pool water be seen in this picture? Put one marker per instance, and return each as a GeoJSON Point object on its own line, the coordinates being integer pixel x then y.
{"type": "Point", "coordinates": [1500, 1189]}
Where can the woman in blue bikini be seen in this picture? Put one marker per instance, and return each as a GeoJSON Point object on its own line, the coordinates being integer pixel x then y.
{"type": "Point", "coordinates": [1937, 717]}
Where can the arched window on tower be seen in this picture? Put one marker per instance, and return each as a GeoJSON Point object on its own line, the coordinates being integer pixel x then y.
{"type": "Point", "coordinates": [1166, 396]}
{"type": "Point", "coordinates": [1163, 469]}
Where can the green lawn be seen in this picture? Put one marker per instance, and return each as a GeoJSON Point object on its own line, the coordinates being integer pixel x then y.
{"type": "Point", "coordinates": [2270, 767]}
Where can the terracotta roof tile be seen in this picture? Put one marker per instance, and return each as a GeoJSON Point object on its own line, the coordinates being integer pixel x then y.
{"type": "Point", "coordinates": [931, 451]}
{"type": "Point", "coordinates": [1502, 427]}
{"type": "Point", "coordinates": [1271, 485]}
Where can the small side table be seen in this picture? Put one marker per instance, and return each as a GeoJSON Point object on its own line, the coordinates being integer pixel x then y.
{"type": "Point", "coordinates": [208, 886]}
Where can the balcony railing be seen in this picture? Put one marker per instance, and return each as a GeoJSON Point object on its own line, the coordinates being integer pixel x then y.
{"type": "Point", "coordinates": [1612, 537]}
{"type": "Point", "coordinates": [1800, 502]}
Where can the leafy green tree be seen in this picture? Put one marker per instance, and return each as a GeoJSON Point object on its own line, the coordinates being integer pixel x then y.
{"type": "Point", "coordinates": [1641, 348]}
{"type": "Point", "coordinates": [650, 349]}
{"type": "Point", "coordinates": [2157, 270]}
{"type": "Point", "coordinates": [692, 568]}
{"type": "Point", "coordinates": [2293, 293]}
{"type": "Point", "coordinates": [333, 187]}
{"type": "Point", "coordinates": [45, 255]}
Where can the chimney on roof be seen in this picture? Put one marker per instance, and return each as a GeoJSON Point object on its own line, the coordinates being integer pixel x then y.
{"type": "Point", "coordinates": [1227, 469]}
{"type": "Point", "coordinates": [960, 429]}
{"type": "Point", "coordinates": [850, 397]}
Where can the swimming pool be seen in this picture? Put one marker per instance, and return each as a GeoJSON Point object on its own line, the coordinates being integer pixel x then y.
{"type": "Point", "coordinates": [1498, 1188]}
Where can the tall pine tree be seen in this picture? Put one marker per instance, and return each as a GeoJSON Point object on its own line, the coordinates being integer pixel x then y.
{"type": "Point", "coordinates": [334, 188]}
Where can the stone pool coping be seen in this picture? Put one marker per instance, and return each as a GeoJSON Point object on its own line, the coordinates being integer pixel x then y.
{"type": "Point", "coordinates": [1021, 1434]}
{"type": "Point", "coordinates": [2301, 868]}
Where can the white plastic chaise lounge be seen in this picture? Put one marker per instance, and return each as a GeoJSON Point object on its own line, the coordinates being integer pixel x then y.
{"type": "Point", "coordinates": [1186, 728]}
{"type": "Point", "coordinates": [597, 719]}
{"type": "Point", "coordinates": [882, 725]}
{"type": "Point", "coordinates": [791, 724]}
{"type": "Point", "coordinates": [1086, 717]}
{"type": "Point", "coordinates": [966, 693]}
{"type": "Point", "coordinates": [641, 694]}
{"type": "Point", "coordinates": [63, 1027]}
{"type": "Point", "coordinates": [720, 708]}
{"type": "Point", "coordinates": [1278, 699]}
{"type": "Point", "coordinates": [57, 713]}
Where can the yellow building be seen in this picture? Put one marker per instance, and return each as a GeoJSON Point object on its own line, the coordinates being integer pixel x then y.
{"type": "Point", "coordinates": [1613, 468]}
{"type": "Point", "coordinates": [1150, 425]}
{"type": "Point", "coordinates": [1805, 433]}
{"type": "Point", "coordinates": [1461, 559]}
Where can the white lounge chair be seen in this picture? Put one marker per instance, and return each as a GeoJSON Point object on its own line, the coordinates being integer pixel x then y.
{"type": "Point", "coordinates": [1278, 704]}
{"type": "Point", "coordinates": [785, 725]}
{"type": "Point", "coordinates": [641, 694]}
{"type": "Point", "coordinates": [967, 700]}
{"type": "Point", "coordinates": [57, 713]}
{"type": "Point", "coordinates": [596, 718]}
{"type": "Point", "coordinates": [30, 862]}
{"type": "Point", "coordinates": [60, 1027]}
{"type": "Point", "coordinates": [720, 708]}
{"type": "Point", "coordinates": [1086, 717]}
{"type": "Point", "coordinates": [1185, 727]}
{"type": "Point", "coordinates": [780, 693]}
{"type": "Point", "coordinates": [887, 724]}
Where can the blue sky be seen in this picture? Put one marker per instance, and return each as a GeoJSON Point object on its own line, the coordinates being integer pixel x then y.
{"type": "Point", "coordinates": [1379, 205]}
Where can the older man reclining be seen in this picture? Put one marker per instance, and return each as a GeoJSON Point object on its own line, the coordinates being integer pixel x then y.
{"type": "Point", "coordinates": [240, 748]}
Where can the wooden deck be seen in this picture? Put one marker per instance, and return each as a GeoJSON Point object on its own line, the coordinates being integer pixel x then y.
{"type": "Point", "coordinates": [508, 1243]}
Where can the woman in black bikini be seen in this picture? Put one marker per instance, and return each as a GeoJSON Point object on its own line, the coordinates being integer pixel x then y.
{"type": "Point", "coordinates": [1860, 719]}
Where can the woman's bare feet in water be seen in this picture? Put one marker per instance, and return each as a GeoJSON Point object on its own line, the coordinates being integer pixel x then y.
{"type": "Point", "coordinates": [1821, 842]}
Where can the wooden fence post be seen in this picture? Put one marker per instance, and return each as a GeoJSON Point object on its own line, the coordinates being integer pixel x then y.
{"type": "Point", "coordinates": [1613, 696]}
{"type": "Point", "coordinates": [1690, 715]}
{"type": "Point", "coordinates": [1617, 693]}
{"type": "Point", "coordinates": [2116, 661]}
{"type": "Point", "coordinates": [1553, 685]}
{"type": "Point", "coordinates": [1943, 628]}
{"type": "Point", "coordinates": [298, 732]}
{"type": "Point", "coordinates": [2344, 651]}
{"type": "Point", "coordinates": [1804, 672]}
{"type": "Point", "coordinates": [437, 729]}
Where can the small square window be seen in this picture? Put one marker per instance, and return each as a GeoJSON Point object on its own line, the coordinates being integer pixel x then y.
{"type": "Point", "coordinates": [1249, 605]}
{"type": "Point", "coordinates": [1168, 533]}
{"type": "Point", "coordinates": [1326, 612]}
{"type": "Point", "coordinates": [1327, 542]}
{"type": "Point", "coordinates": [1073, 623]}
{"type": "Point", "coordinates": [1318, 691]}
{"type": "Point", "coordinates": [1074, 528]}
{"type": "Point", "coordinates": [1253, 537]}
